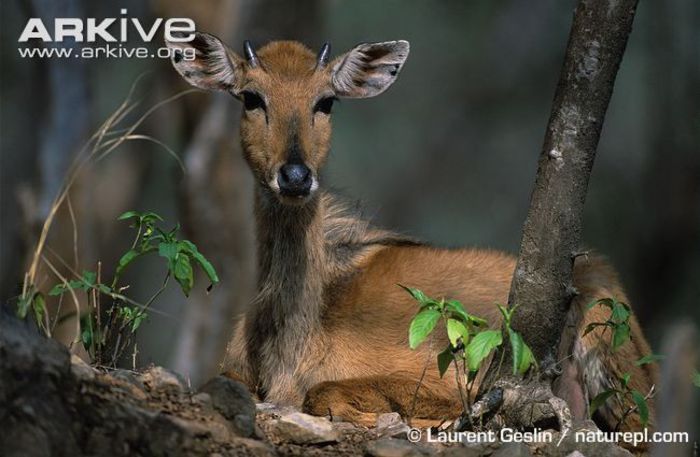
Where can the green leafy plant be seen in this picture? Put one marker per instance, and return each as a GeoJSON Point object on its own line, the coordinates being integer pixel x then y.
{"type": "Point", "coordinates": [618, 322]}
{"type": "Point", "coordinates": [107, 335]}
{"type": "Point", "coordinates": [470, 339]}
{"type": "Point", "coordinates": [638, 402]}
{"type": "Point", "coordinates": [522, 355]}
{"type": "Point", "coordinates": [34, 301]}
{"type": "Point", "coordinates": [619, 325]}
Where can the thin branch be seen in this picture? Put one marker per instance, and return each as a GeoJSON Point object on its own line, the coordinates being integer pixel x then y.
{"type": "Point", "coordinates": [420, 381]}
{"type": "Point", "coordinates": [632, 409]}
{"type": "Point", "coordinates": [73, 296]}
{"type": "Point", "coordinates": [69, 204]}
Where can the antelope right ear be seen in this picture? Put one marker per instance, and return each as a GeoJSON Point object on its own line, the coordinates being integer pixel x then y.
{"type": "Point", "coordinates": [368, 69]}
{"type": "Point", "coordinates": [206, 62]}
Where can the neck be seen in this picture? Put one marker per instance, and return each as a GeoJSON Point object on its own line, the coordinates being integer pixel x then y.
{"type": "Point", "coordinates": [291, 259]}
{"type": "Point", "coordinates": [290, 244]}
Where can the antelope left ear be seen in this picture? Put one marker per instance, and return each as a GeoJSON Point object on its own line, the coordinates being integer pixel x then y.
{"type": "Point", "coordinates": [368, 69]}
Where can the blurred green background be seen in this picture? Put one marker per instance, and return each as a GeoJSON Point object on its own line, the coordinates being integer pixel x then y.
{"type": "Point", "coordinates": [448, 154]}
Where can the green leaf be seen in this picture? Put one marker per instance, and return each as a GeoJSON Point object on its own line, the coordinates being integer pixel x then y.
{"type": "Point", "coordinates": [621, 335]}
{"type": "Point", "coordinates": [609, 302]}
{"type": "Point", "coordinates": [506, 314]}
{"type": "Point", "coordinates": [455, 331]}
{"type": "Point", "coordinates": [516, 346]}
{"type": "Point", "coordinates": [477, 321]}
{"type": "Point", "coordinates": [592, 326]}
{"type": "Point", "coordinates": [457, 310]}
{"type": "Point", "coordinates": [23, 305]}
{"type": "Point", "coordinates": [169, 250]}
{"type": "Point", "coordinates": [58, 289]}
{"type": "Point", "coordinates": [86, 282]}
{"type": "Point", "coordinates": [625, 379]}
{"type": "Point", "coordinates": [642, 406]}
{"type": "Point", "coordinates": [183, 273]}
{"type": "Point", "coordinates": [421, 326]}
{"type": "Point", "coordinates": [417, 295]}
{"type": "Point", "coordinates": [620, 313]}
{"type": "Point", "coordinates": [136, 323]}
{"type": "Point", "coordinates": [522, 354]}
{"type": "Point", "coordinates": [600, 400]}
{"type": "Point", "coordinates": [444, 359]}
{"type": "Point", "coordinates": [191, 249]}
{"type": "Point", "coordinates": [39, 307]}
{"type": "Point", "coordinates": [130, 256]}
{"type": "Point", "coordinates": [129, 215]}
{"type": "Point", "coordinates": [86, 333]}
{"type": "Point", "coordinates": [150, 217]}
{"type": "Point", "coordinates": [696, 378]}
{"type": "Point", "coordinates": [527, 360]}
{"type": "Point", "coordinates": [481, 346]}
{"type": "Point", "coordinates": [647, 359]}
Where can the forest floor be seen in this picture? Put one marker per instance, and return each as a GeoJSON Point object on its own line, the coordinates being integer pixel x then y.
{"type": "Point", "coordinates": [54, 404]}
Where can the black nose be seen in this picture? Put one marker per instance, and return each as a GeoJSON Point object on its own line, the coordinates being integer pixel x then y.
{"type": "Point", "coordinates": [294, 180]}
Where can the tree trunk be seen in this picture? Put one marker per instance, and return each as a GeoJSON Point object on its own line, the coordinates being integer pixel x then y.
{"type": "Point", "coordinates": [542, 282]}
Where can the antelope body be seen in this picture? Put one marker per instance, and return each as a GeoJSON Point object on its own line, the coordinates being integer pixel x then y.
{"type": "Point", "coordinates": [328, 328]}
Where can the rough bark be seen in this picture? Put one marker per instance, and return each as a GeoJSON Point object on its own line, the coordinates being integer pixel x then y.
{"type": "Point", "coordinates": [542, 282]}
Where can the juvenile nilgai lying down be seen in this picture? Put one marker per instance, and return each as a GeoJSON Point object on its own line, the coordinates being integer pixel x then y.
{"type": "Point", "coordinates": [327, 330]}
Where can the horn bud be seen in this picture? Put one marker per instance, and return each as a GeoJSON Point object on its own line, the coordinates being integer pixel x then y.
{"type": "Point", "coordinates": [250, 54]}
{"type": "Point", "coordinates": [323, 56]}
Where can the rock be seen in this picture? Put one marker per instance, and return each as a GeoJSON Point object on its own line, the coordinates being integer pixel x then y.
{"type": "Point", "coordinates": [389, 447]}
{"type": "Point", "coordinates": [469, 450]}
{"type": "Point", "coordinates": [217, 430]}
{"type": "Point", "coordinates": [47, 410]}
{"type": "Point", "coordinates": [35, 381]}
{"type": "Point", "coordinates": [129, 377]}
{"type": "Point", "coordinates": [80, 369]}
{"type": "Point", "coordinates": [254, 448]}
{"type": "Point", "coordinates": [265, 407]}
{"type": "Point", "coordinates": [513, 450]}
{"type": "Point", "coordinates": [576, 454]}
{"type": "Point", "coordinates": [203, 399]}
{"type": "Point", "coordinates": [391, 425]}
{"type": "Point", "coordinates": [158, 378]}
{"type": "Point", "coordinates": [271, 408]}
{"type": "Point", "coordinates": [128, 381]}
{"type": "Point", "coordinates": [388, 420]}
{"type": "Point", "coordinates": [233, 400]}
{"type": "Point", "coordinates": [344, 426]}
{"type": "Point", "coordinates": [300, 428]}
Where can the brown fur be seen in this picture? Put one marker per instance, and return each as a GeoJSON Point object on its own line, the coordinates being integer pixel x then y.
{"type": "Point", "coordinates": [328, 328]}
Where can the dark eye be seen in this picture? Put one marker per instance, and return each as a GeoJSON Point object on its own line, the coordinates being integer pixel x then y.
{"type": "Point", "coordinates": [325, 105]}
{"type": "Point", "coordinates": [252, 101]}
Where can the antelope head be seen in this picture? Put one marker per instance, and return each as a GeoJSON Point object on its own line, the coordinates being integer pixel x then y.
{"type": "Point", "coordinates": [288, 93]}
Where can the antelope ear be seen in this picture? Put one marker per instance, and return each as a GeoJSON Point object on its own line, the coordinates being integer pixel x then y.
{"type": "Point", "coordinates": [206, 62]}
{"type": "Point", "coordinates": [368, 69]}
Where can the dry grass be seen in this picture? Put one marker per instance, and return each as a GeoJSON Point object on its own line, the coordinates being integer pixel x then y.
{"type": "Point", "coordinates": [106, 139]}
